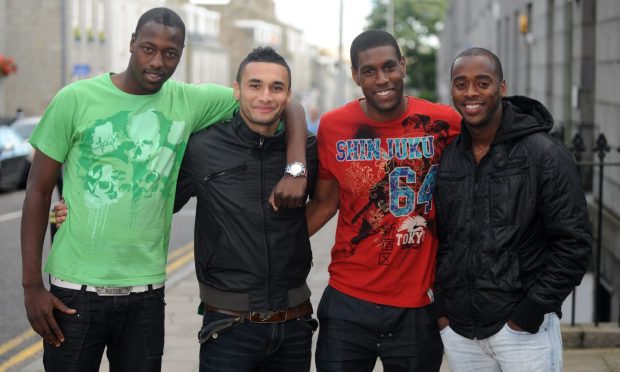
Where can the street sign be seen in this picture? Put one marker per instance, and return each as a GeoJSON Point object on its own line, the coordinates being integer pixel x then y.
{"type": "Point", "coordinates": [81, 70]}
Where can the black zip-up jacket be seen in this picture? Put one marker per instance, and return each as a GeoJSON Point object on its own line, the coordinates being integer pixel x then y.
{"type": "Point", "coordinates": [248, 257]}
{"type": "Point", "coordinates": [514, 231]}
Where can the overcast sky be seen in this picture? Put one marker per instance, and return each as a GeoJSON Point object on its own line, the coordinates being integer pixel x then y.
{"type": "Point", "coordinates": [319, 20]}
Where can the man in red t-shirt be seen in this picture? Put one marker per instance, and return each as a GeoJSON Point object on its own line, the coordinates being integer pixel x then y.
{"type": "Point", "coordinates": [378, 165]}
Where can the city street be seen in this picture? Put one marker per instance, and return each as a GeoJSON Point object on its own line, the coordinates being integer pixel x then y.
{"type": "Point", "coordinates": [18, 343]}
{"type": "Point", "coordinates": [13, 321]}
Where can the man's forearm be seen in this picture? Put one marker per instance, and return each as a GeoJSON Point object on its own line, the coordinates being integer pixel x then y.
{"type": "Point", "coordinates": [296, 133]}
{"type": "Point", "coordinates": [323, 205]}
{"type": "Point", "coordinates": [317, 217]}
{"type": "Point", "coordinates": [34, 225]}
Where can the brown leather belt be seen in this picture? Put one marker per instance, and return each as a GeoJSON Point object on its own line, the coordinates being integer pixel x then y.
{"type": "Point", "coordinates": [278, 316]}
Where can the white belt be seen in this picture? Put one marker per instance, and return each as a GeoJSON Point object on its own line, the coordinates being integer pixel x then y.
{"type": "Point", "coordinates": [105, 291]}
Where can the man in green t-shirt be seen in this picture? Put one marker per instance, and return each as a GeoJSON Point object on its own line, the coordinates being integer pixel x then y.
{"type": "Point", "coordinates": [121, 138]}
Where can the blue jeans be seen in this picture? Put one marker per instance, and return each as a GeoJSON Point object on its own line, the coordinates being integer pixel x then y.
{"type": "Point", "coordinates": [232, 345]}
{"type": "Point", "coordinates": [131, 327]}
{"type": "Point", "coordinates": [354, 333]}
{"type": "Point", "coordinates": [507, 350]}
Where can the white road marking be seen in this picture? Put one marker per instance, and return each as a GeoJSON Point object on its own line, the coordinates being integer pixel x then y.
{"type": "Point", "coordinates": [10, 216]}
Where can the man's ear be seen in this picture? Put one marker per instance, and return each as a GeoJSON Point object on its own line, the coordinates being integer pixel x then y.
{"type": "Point", "coordinates": [236, 90]}
{"type": "Point", "coordinates": [355, 76]}
{"type": "Point", "coordinates": [133, 40]}
{"type": "Point", "coordinates": [502, 88]}
{"type": "Point", "coordinates": [289, 96]}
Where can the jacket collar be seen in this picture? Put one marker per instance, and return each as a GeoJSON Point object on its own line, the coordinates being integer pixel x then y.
{"type": "Point", "coordinates": [521, 116]}
{"type": "Point", "coordinates": [253, 138]}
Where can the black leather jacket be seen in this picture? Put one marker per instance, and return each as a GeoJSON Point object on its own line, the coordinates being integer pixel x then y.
{"type": "Point", "coordinates": [514, 230]}
{"type": "Point", "coordinates": [248, 257]}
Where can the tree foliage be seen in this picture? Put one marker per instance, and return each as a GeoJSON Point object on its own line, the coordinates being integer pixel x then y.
{"type": "Point", "coordinates": [416, 27]}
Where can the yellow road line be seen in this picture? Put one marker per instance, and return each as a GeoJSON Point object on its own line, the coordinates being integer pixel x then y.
{"type": "Point", "coordinates": [16, 341]}
{"type": "Point", "coordinates": [181, 261]}
{"type": "Point", "coordinates": [179, 251]}
{"type": "Point", "coordinates": [23, 355]}
{"type": "Point", "coordinates": [186, 254]}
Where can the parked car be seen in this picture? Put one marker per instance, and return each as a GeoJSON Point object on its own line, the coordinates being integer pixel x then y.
{"type": "Point", "coordinates": [15, 157]}
{"type": "Point", "coordinates": [24, 126]}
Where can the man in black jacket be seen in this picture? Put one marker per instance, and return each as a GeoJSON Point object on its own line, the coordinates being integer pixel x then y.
{"type": "Point", "coordinates": [251, 261]}
{"type": "Point", "coordinates": [513, 226]}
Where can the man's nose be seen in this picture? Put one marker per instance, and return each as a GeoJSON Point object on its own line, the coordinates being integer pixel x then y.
{"type": "Point", "coordinates": [471, 91]}
{"type": "Point", "coordinates": [265, 94]}
{"type": "Point", "coordinates": [382, 77]}
{"type": "Point", "coordinates": [157, 61]}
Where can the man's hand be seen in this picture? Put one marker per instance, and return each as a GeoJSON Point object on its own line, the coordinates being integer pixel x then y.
{"type": "Point", "coordinates": [40, 305]}
{"type": "Point", "coordinates": [442, 323]}
{"type": "Point", "coordinates": [59, 213]}
{"type": "Point", "coordinates": [515, 327]}
{"type": "Point", "coordinates": [290, 192]}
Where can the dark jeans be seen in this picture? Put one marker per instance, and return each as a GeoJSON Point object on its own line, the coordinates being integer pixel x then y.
{"type": "Point", "coordinates": [131, 327]}
{"type": "Point", "coordinates": [228, 344]}
{"type": "Point", "coordinates": [354, 333]}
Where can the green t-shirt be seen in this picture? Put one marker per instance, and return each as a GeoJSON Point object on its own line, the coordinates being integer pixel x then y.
{"type": "Point", "coordinates": [121, 155]}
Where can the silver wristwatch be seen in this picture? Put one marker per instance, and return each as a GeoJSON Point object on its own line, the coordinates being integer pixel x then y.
{"type": "Point", "coordinates": [295, 169]}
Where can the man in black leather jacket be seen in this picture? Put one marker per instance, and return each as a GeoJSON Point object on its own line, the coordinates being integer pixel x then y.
{"type": "Point", "coordinates": [513, 226]}
{"type": "Point", "coordinates": [251, 261]}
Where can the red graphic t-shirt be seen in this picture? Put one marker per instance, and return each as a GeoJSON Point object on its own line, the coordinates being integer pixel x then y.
{"type": "Point", "coordinates": [386, 237]}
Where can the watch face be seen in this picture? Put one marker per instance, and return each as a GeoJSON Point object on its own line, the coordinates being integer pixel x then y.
{"type": "Point", "coordinates": [296, 168]}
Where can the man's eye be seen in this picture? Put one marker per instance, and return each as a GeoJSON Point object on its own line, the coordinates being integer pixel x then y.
{"type": "Point", "coordinates": [171, 54]}
{"type": "Point", "coordinates": [459, 85]}
{"type": "Point", "coordinates": [484, 84]}
{"type": "Point", "coordinates": [148, 50]}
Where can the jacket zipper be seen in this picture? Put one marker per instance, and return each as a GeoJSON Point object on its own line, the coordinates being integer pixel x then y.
{"type": "Point", "coordinates": [222, 173]}
{"type": "Point", "coordinates": [472, 251]}
{"type": "Point", "coordinates": [263, 205]}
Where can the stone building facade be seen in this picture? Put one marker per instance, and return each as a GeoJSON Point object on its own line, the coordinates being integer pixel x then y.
{"type": "Point", "coordinates": [57, 42]}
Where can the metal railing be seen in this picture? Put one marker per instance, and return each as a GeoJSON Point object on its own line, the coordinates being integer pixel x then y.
{"type": "Point", "coordinates": [601, 148]}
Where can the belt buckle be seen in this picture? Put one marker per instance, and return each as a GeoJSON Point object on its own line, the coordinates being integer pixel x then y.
{"type": "Point", "coordinates": [265, 315]}
{"type": "Point", "coordinates": [113, 291]}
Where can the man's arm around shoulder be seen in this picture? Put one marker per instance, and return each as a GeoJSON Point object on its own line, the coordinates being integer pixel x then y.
{"type": "Point", "coordinates": [290, 192]}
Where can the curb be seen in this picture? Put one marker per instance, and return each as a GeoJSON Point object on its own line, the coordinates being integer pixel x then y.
{"type": "Point", "coordinates": [587, 336]}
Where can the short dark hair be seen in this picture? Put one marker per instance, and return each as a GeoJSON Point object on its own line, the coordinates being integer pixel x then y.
{"type": "Point", "coordinates": [372, 39]}
{"type": "Point", "coordinates": [481, 52]}
{"type": "Point", "coordinates": [164, 16]}
{"type": "Point", "coordinates": [264, 54]}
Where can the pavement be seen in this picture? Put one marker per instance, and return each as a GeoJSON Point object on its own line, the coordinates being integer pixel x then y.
{"type": "Point", "coordinates": [587, 348]}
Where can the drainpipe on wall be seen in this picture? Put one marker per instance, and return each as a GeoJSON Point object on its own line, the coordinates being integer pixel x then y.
{"type": "Point", "coordinates": [568, 71]}
{"type": "Point", "coordinates": [63, 43]}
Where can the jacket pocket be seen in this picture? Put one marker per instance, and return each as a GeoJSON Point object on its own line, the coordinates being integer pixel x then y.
{"type": "Point", "coordinates": [214, 327]}
{"type": "Point", "coordinates": [507, 193]}
{"type": "Point", "coordinates": [228, 171]}
{"type": "Point", "coordinates": [226, 190]}
{"type": "Point", "coordinates": [505, 271]}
